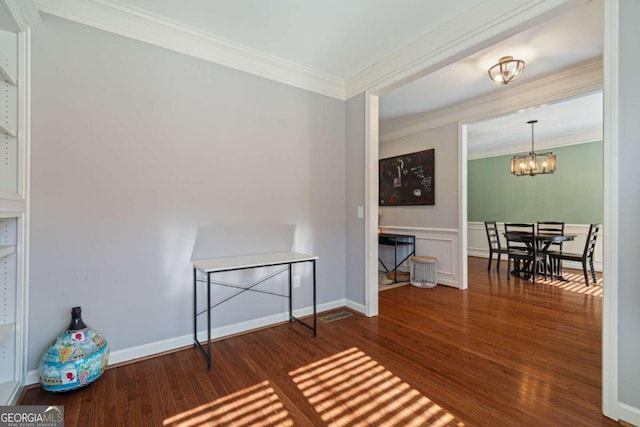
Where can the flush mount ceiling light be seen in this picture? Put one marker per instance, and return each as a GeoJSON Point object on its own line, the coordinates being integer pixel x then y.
{"type": "Point", "coordinates": [506, 70]}
{"type": "Point", "coordinates": [533, 164]}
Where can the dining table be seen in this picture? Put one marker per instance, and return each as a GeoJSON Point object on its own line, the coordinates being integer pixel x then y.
{"type": "Point", "coordinates": [542, 242]}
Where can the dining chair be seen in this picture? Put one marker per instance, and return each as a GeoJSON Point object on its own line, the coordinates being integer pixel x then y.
{"type": "Point", "coordinates": [585, 257]}
{"type": "Point", "coordinates": [495, 247]}
{"type": "Point", "coordinates": [556, 228]}
{"type": "Point", "coordinates": [523, 250]}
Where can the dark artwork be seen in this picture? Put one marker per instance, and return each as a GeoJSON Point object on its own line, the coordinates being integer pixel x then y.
{"type": "Point", "coordinates": [408, 179]}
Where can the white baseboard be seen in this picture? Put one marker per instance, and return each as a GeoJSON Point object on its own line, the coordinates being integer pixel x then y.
{"type": "Point", "coordinates": [629, 414]}
{"type": "Point", "coordinates": [157, 347]}
{"type": "Point", "coordinates": [480, 253]}
{"type": "Point", "coordinates": [355, 306]}
{"type": "Point", "coordinates": [448, 283]}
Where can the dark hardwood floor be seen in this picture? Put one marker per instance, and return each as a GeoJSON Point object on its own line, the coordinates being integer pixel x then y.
{"type": "Point", "coordinates": [499, 354]}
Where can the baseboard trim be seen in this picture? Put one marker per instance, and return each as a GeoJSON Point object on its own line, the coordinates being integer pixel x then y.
{"type": "Point", "coordinates": [360, 308]}
{"type": "Point", "coordinates": [158, 347]}
{"type": "Point", "coordinates": [629, 414]}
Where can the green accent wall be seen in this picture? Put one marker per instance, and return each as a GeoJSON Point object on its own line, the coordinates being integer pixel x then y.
{"type": "Point", "coordinates": [573, 194]}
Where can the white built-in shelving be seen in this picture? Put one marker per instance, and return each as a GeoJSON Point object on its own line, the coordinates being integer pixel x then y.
{"type": "Point", "coordinates": [8, 389]}
{"type": "Point", "coordinates": [10, 292]}
{"type": "Point", "coordinates": [5, 76]}
{"type": "Point", "coordinates": [6, 331]}
{"type": "Point", "coordinates": [13, 212]}
{"type": "Point", "coordinates": [8, 131]}
{"type": "Point", "coordinates": [7, 250]}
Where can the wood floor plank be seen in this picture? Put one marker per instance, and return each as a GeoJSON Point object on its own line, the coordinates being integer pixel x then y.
{"type": "Point", "coordinates": [501, 353]}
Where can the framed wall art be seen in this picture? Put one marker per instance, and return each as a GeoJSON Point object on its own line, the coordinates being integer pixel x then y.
{"type": "Point", "coordinates": [408, 179]}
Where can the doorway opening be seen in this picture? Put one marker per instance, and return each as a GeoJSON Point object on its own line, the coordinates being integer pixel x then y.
{"type": "Point", "coordinates": [373, 138]}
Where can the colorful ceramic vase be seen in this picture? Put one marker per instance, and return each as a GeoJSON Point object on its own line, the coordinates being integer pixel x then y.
{"type": "Point", "coordinates": [76, 358]}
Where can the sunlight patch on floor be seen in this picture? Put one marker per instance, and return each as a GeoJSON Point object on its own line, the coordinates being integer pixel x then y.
{"type": "Point", "coordinates": [535, 386]}
{"type": "Point", "coordinates": [351, 389]}
{"type": "Point", "coordinates": [576, 284]}
{"type": "Point", "coordinates": [254, 406]}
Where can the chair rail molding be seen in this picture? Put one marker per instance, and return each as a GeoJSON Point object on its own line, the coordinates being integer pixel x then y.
{"type": "Point", "coordinates": [442, 243]}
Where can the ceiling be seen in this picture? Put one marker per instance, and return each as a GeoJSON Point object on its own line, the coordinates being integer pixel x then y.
{"type": "Point", "coordinates": [571, 121]}
{"type": "Point", "coordinates": [559, 43]}
{"type": "Point", "coordinates": [339, 38]}
{"type": "Point", "coordinates": [335, 41]}
{"type": "Point", "coordinates": [565, 40]}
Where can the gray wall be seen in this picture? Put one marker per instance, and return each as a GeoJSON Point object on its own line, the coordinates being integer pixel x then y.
{"type": "Point", "coordinates": [629, 205]}
{"type": "Point", "coordinates": [444, 214]}
{"type": "Point", "coordinates": [134, 149]}
{"type": "Point", "coordinates": [355, 140]}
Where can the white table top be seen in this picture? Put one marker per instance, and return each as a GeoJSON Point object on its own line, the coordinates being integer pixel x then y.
{"type": "Point", "coordinates": [249, 261]}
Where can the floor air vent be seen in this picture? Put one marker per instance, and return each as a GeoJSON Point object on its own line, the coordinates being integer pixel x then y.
{"type": "Point", "coordinates": [336, 316]}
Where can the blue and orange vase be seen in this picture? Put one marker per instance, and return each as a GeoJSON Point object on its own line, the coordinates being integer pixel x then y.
{"type": "Point", "coordinates": [76, 358]}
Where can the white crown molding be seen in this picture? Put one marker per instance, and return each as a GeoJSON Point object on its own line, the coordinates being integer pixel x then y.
{"type": "Point", "coordinates": [451, 41]}
{"type": "Point", "coordinates": [134, 23]}
{"type": "Point", "coordinates": [138, 24]}
{"type": "Point", "coordinates": [23, 12]}
{"type": "Point", "coordinates": [584, 78]}
{"type": "Point", "coordinates": [541, 145]}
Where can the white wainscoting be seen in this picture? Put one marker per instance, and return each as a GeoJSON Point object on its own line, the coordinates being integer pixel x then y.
{"type": "Point", "coordinates": [477, 242]}
{"type": "Point", "coordinates": [442, 243]}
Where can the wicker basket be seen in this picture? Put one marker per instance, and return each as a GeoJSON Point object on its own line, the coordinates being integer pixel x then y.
{"type": "Point", "coordinates": [402, 276]}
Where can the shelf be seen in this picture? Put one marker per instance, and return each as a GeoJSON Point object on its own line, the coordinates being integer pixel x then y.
{"type": "Point", "coordinates": [9, 392]}
{"type": "Point", "coordinates": [7, 250]}
{"type": "Point", "coordinates": [4, 75]}
{"type": "Point", "coordinates": [10, 132]}
{"type": "Point", "coordinates": [14, 93]}
{"type": "Point", "coordinates": [6, 331]}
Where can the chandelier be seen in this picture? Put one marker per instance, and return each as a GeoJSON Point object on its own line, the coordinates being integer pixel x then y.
{"type": "Point", "coordinates": [533, 164]}
{"type": "Point", "coordinates": [506, 70]}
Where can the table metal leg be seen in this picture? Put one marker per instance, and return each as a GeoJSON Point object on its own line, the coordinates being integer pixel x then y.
{"type": "Point", "coordinates": [395, 262]}
{"type": "Point", "coordinates": [314, 299]}
{"type": "Point", "coordinates": [290, 294]}
{"type": "Point", "coordinates": [395, 258]}
{"type": "Point", "coordinates": [207, 353]}
{"type": "Point", "coordinates": [195, 308]}
{"type": "Point", "coordinates": [209, 321]}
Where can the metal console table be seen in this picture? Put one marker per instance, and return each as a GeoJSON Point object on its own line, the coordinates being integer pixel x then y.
{"type": "Point", "coordinates": [210, 266]}
{"type": "Point", "coordinates": [396, 240]}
